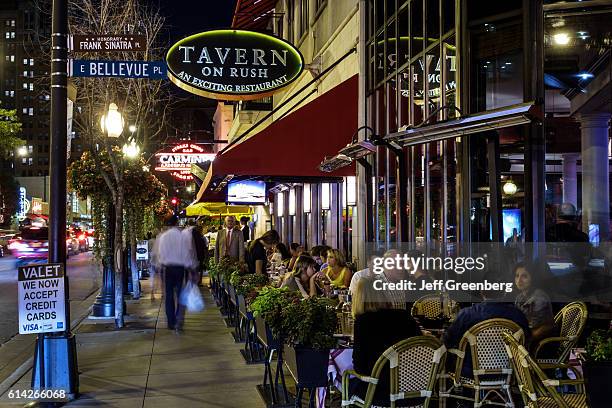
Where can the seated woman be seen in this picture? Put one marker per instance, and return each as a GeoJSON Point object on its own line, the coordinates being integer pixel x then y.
{"type": "Point", "coordinates": [303, 277]}
{"type": "Point", "coordinates": [337, 272]}
{"type": "Point", "coordinates": [533, 302]}
{"type": "Point", "coordinates": [377, 327]}
{"type": "Point", "coordinates": [280, 254]}
{"type": "Point", "coordinates": [295, 250]}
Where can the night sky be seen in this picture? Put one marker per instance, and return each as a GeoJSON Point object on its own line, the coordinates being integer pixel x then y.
{"type": "Point", "coordinates": [185, 17]}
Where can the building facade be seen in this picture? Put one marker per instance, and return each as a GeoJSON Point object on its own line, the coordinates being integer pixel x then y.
{"type": "Point", "coordinates": [490, 116]}
{"type": "Point", "coordinates": [24, 73]}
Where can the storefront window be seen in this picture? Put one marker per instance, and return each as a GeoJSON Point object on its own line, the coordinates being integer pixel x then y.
{"type": "Point", "coordinates": [578, 90]}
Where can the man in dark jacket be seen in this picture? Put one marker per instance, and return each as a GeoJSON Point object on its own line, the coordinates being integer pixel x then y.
{"type": "Point", "coordinates": [201, 246]}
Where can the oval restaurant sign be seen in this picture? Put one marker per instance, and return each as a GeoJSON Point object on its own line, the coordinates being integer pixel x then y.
{"type": "Point", "coordinates": [179, 159]}
{"type": "Point", "coordinates": [233, 64]}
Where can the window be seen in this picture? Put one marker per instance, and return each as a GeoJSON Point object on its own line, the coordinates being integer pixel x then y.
{"type": "Point", "coordinates": [12, 58]}
{"type": "Point", "coordinates": [25, 85]}
{"type": "Point", "coordinates": [12, 23]}
{"type": "Point", "coordinates": [31, 86]}
{"type": "Point", "coordinates": [7, 35]}
{"type": "Point", "coordinates": [31, 112]}
{"type": "Point", "coordinates": [303, 18]}
{"type": "Point", "coordinates": [25, 74]}
{"type": "Point", "coordinates": [30, 147]}
{"type": "Point", "coordinates": [30, 161]}
{"type": "Point", "coordinates": [32, 62]}
{"type": "Point", "coordinates": [25, 61]}
{"type": "Point", "coordinates": [24, 111]}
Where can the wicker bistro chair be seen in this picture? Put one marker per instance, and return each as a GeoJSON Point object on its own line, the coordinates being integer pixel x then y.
{"type": "Point", "coordinates": [415, 367]}
{"type": "Point", "coordinates": [537, 390]}
{"type": "Point", "coordinates": [490, 364]}
{"type": "Point", "coordinates": [435, 306]}
{"type": "Point", "coordinates": [571, 321]}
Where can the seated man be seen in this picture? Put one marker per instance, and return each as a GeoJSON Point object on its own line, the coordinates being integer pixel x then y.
{"type": "Point", "coordinates": [492, 307]}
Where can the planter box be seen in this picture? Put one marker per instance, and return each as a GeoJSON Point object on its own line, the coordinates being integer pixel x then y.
{"type": "Point", "coordinates": [264, 334]}
{"type": "Point", "coordinates": [597, 377]}
{"type": "Point", "coordinates": [307, 366]}
{"type": "Point", "coordinates": [242, 305]}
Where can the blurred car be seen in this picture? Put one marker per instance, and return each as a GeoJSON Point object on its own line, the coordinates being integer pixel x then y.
{"type": "Point", "coordinates": [5, 237]}
{"type": "Point", "coordinates": [30, 245]}
{"type": "Point", "coordinates": [81, 236]}
{"type": "Point", "coordinates": [72, 244]}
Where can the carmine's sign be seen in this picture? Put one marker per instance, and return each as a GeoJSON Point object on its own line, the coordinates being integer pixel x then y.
{"type": "Point", "coordinates": [179, 159]}
{"type": "Point", "coordinates": [233, 64]}
{"type": "Point", "coordinates": [107, 42]}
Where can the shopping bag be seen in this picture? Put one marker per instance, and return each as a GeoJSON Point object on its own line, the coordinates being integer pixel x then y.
{"type": "Point", "coordinates": [191, 298]}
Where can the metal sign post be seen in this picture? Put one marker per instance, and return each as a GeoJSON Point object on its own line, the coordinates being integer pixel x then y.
{"type": "Point", "coordinates": [55, 366]}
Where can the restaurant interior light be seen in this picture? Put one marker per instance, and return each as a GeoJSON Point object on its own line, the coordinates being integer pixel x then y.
{"type": "Point", "coordinates": [325, 199]}
{"type": "Point", "coordinates": [561, 38]}
{"type": "Point", "coordinates": [350, 190]}
{"type": "Point", "coordinates": [292, 201]}
{"type": "Point", "coordinates": [280, 204]}
{"type": "Point", "coordinates": [510, 188]}
{"type": "Point", "coordinates": [307, 197]}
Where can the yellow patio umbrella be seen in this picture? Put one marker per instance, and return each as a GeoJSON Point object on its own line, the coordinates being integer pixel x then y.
{"type": "Point", "coordinates": [215, 209]}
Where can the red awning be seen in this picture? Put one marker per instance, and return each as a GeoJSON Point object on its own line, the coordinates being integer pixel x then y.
{"type": "Point", "coordinates": [295, 145]}
{"type": "Point", "coordinates": [253, 14]}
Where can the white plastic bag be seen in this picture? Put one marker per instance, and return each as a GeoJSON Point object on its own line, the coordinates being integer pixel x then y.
{"type": "Point", "coordinates": [191, 298]}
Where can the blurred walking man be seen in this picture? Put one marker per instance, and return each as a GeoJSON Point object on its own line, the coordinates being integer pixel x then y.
{"type": "Point", "coordinates": [176, 255]}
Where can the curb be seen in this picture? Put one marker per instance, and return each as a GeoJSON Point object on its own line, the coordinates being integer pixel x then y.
{"type": "Point", "coordinates": [13, 378]}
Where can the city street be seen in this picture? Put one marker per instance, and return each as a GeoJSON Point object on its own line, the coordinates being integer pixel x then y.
{"type": "Point", "coordinates": [84, 279]}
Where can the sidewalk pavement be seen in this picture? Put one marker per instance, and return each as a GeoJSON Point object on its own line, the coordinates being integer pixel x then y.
{"type": "Point", "coordinates": [146, 365]}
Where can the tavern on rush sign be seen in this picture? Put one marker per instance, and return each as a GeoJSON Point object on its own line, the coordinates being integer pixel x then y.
{"type": "Point", "coordinates": [233, 64]}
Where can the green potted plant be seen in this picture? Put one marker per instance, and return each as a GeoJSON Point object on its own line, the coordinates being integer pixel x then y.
{"type": "Point", "coordinates": [598, 368]}
{"type": "Point", "coordinates": [309, 326]}
{"type": "Point", "coordinates": [267, 307]}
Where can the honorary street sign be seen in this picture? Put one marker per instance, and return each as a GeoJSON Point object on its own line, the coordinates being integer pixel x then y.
{"type": "Point", "coordinates": [118, 69]}
{"type": "Point", "coordinates": [41, 298]}
{"type": "Point", "coordinates": [89, 43]}
{"type": "Point", "coordinates": [233, 64]}
{"type": "Point", "coordinates": [142, 251]}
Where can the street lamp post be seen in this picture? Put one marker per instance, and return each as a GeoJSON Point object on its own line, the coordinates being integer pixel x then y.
{"type": "Point", "coordinates": [111, 124]}
{"type": "Point", "coordinates": [55, 364]}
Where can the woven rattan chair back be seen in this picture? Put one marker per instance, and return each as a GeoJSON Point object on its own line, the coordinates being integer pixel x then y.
{"type": "Point", "coordinates": [415, 365]}
{"type": "Point", "coordinates": [571, 321]}
{"type": "Point", "coordinates": [536, 388]}
{"type": "Point", "coordinates": [435, 306]}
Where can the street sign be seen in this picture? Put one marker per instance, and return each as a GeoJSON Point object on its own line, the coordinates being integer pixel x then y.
{"type": "Point", "coordinates": [89, 43]}
{"type": "Point", "coordinates": [142, 251]}
{"type": "Point", "coordinates": [41, 298]}
{"type": "Point", "coordinates": [118, 69]}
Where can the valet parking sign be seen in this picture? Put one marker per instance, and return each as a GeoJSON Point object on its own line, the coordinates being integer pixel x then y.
{"type": "Point", "coordinates": [41, 299]}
